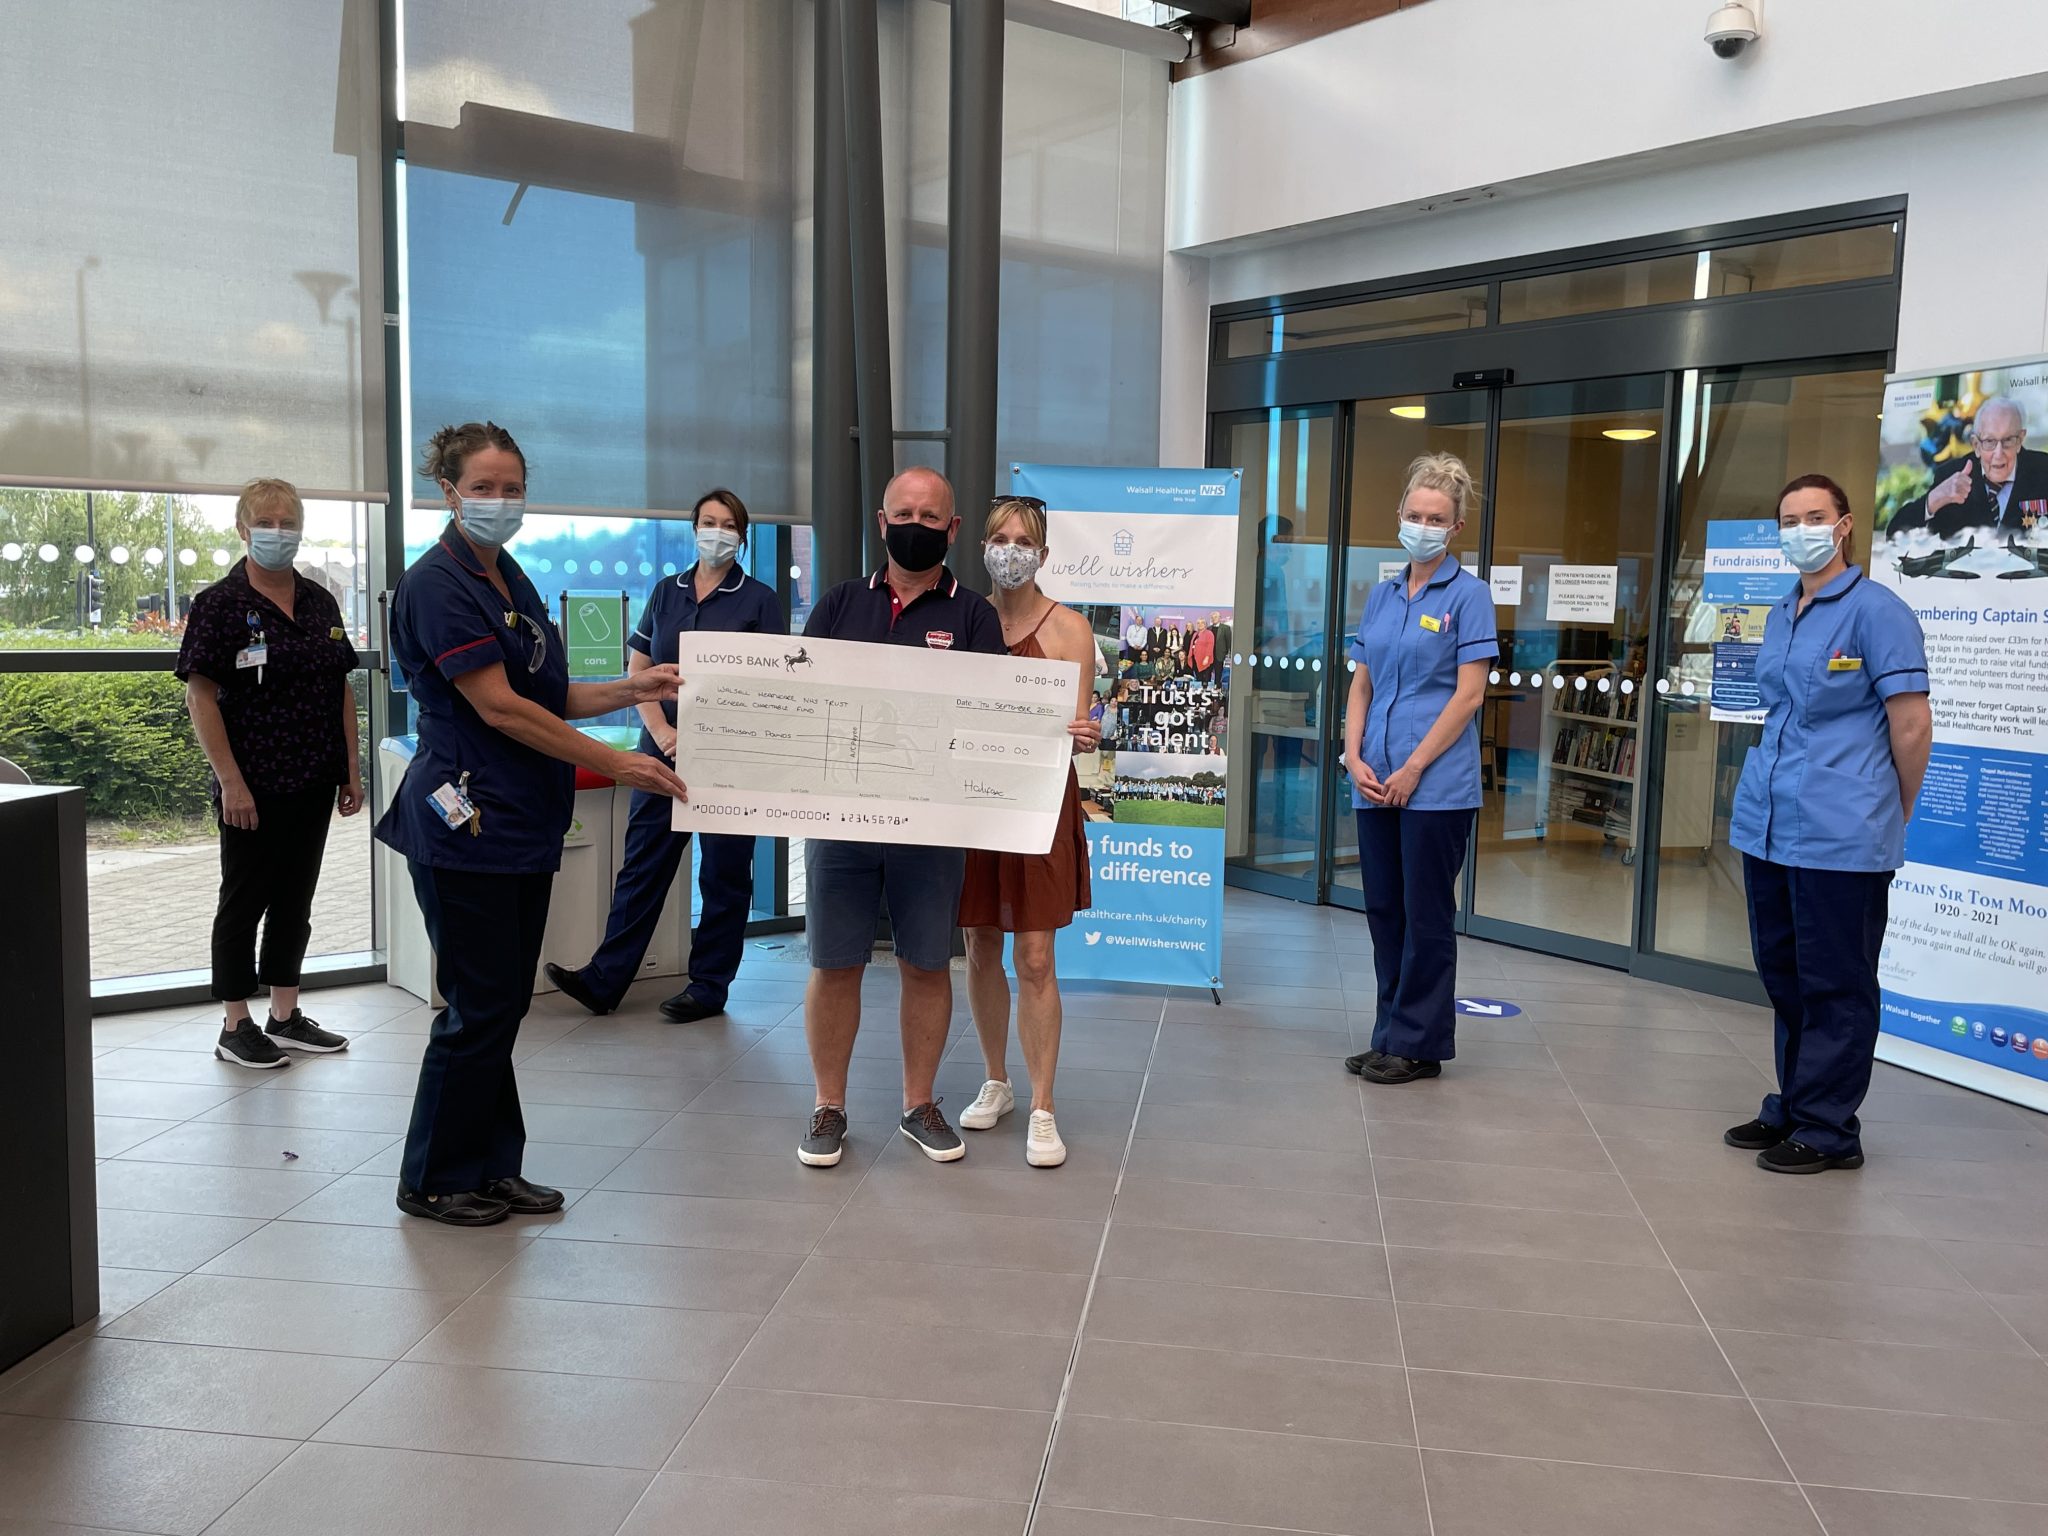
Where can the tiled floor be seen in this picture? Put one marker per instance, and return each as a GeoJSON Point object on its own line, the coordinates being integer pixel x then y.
{"type": "Point", "coordinates": [1535, 1297]}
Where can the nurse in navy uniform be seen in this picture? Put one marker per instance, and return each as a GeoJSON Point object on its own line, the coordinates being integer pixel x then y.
{"type": "Point", "coordinates": [481, 814]}
{"type": "Point", "coordinates": [714, 594]}
{"type": "Point", "coordinates": [1820, 820]}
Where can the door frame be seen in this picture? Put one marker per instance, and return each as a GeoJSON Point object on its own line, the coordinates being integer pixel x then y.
{"type": "Point", "coordinates": [1312, 887]}
{"type": "Point", "coordinates": [1797, 330]}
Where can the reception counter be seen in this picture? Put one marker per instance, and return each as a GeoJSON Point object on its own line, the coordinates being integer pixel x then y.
{"type": "Point", "coordinates": [49, 1258]}
{"type": "Point", "coordinates": [591, 854]}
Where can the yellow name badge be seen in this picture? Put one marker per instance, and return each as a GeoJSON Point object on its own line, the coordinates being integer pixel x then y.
{"type": "Point", "coordinates": [337, 633]}
{"type": "Point", "coordinates": [1845, 663]}
{"type": "Point", "coordinates": [1432, 624]}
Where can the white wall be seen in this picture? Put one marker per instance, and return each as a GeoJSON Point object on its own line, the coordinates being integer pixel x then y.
{"type": "Point", "coordinates": [1332, 208]}
{"type": "Point", "coordinates": [1386, 116]}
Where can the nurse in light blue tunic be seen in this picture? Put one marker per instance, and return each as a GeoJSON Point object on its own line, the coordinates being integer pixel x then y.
{"type": "Point", "coordinates": [1820, 820]}
{"type": "Point", "coordinates": [1411, 743]}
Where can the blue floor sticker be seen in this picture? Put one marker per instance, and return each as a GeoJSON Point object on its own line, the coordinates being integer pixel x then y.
{"type": "Point", "coordinates": [1485, 1008]}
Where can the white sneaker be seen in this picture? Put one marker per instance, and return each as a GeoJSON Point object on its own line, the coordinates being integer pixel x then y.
{"type": "Point", "coordinates": [1042, 1146]}
{"type": "Point", "coordinates": [990, 1105]}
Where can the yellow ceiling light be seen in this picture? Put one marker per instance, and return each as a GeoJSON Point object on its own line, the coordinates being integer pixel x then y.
{"type": "Point", "coordinates": [1408, 412]}
{"type": "Point", "coordinates": [1630, 434]}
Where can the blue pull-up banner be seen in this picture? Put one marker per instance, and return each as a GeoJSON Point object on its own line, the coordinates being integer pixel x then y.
{"type": "Point", "coordinates": [1149, 557]}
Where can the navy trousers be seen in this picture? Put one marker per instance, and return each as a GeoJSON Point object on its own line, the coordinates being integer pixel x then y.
{"type": "Point", "coordinates": [486, 931]}
{"type": "Point", "coordinates": [654, 852]}
{"type": "Point", "coordinates": [1816, 934]}
{"type": "Point", "coordinates": [1409, 863]}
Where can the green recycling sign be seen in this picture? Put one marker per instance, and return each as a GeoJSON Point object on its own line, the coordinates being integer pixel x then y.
{"type": "Point", "coordinates": [594, 634]}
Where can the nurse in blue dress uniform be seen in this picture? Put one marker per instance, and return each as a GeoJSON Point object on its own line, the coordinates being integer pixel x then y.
{"type": "Point", "coordinates": [1411, 743]}
{"type": "Point", "coordinates": [481, 814]}
{"type": "Point", "coordinates": [714, 594]}
{"type": "Point", "coordinates": [1820, 820]}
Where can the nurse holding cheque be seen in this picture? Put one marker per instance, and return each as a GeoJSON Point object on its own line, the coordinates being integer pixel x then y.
{"type": "Point", "coordinates": [1411, 742]}
{"type": "Point", "coordinates": [480, 816]}
{"type": "Point", "coordinates": [1820, 819]}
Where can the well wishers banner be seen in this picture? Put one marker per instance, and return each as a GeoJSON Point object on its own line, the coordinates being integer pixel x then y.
{"type": "Point", "coordinates": [1149, 556]}
{"type": "Point", "coordinates": [1962, 518]}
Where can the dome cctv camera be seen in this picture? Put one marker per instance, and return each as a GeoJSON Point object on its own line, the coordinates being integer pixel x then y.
{"type": "Point", "coordinates": [1730, 30]}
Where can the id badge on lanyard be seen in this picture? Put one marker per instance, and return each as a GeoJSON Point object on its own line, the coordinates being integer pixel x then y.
{"type": "Point", "coordinates": [257, 652]}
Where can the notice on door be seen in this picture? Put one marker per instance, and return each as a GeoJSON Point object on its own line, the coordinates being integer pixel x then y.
{"type": "Point", "coordinates": [1582, 594]}
{"type": "Point", "coordinates": [1506, 582]}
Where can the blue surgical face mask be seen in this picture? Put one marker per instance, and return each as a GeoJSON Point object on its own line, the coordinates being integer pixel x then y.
{"type": "Point", "coordinates": [717, 546]}
{"type": "Point", "coordinates": [1424, 542]}
{"type": "Point", "coordinates": [274, 548]}
{"type": "Point", "coordinates": [492, 520]}
{"type": "Point", "coordinates": [1809, 546]}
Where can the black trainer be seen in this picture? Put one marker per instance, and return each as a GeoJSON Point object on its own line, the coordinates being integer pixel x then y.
{"type": "Point", "coordinates": [299, 1033]}
{"type": "Point", "coordinates": [1797, 1157]}
{"type": "Point", "coordinates": [820, 1147]}
{"type": "Point", "coordinates": [1754, 1136]}
{"type": "Point", "coordinates": [572, 986]}
{"type": "Point", "coordinates": [247, 1046]}
{"type": "Point", "coordinates": [1357, 1064]}
{"type": "Point", "coordinates": [935, 1139]}
{"type": "Point", "coordinates": [687, 1008]}
{"type": "Point", "coordinates": [1399, 1069]}
{"type": "Point", "coordinates": [468, 1209]}
{"type": "Point", "coordinates": [522, 1197]}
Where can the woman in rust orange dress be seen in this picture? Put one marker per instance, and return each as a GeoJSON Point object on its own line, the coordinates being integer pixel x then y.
{"type": "Point", "coordinates": [1027, 896]}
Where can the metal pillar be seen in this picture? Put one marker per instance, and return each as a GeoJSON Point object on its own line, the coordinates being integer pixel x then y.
{"type": "Point", "coordinates": [838, 511]}
{"type": "Point", "coordinates": [861, 101]}
{"type": "Point", "coordinates": [974, 207]}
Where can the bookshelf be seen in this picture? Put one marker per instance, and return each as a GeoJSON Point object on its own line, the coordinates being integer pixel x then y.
{"type": "Point", "coordinates": [1592, 755]}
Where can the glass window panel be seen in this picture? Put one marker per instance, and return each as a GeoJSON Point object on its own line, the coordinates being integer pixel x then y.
{"type": "Point", "coordinates": [601, 239]}
{"type": "Point", "coordinates": [1837, 256]}
{"type": "Point", "coordinates": [1577, 481]}
{"type": "Point", "coordinates": [1276, 681]}
{"type": "Point", "coordinates": [1344, 325]}
{"type": "Point", "coordinates": [104, 571]}
{"type": "Point", "coordinates": [1386, 436]}
{"type": "Point", "coordinates": [1628, 285]}
{"type": "Point", "coordinates": [153, 852]}
{"type": "Point", "coordinates": [1741, 435]}
{"type": "Point", "coordinates": [1083, 240]}
{"type": "Point", "coordinates": [184, 306]}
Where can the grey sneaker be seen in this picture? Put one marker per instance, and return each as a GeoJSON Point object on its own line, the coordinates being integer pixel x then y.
{"type": "Point", "coordinates": [820, 1147]}
{"type": "Point", "coordinates": [247, 1046]}
{"type": "Point", "coordinates": [935, 1139]}
{"type": "Point", "coordinates": [299, 1033]}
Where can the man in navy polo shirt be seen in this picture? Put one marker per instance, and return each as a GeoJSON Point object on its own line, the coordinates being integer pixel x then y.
{"type": "Point", "coordinates": [913, 600]}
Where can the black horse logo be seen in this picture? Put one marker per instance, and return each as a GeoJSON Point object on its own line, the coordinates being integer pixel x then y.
{"type": "Point", "coordinates": [802, 658]}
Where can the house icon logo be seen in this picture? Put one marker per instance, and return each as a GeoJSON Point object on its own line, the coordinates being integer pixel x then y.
{"type": "Point", "coordinates": [1121, 543]}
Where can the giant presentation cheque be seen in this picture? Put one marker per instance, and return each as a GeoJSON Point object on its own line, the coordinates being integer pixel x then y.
{"type": "Point", "coordinates": [792, 737]}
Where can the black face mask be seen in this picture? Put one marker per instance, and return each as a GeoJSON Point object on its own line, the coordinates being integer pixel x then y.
{"type": "Point", "coordinates": [915, 546]}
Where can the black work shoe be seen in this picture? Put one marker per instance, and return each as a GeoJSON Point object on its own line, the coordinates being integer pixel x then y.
{"type": "Point", "coordinates": [1399, 1069]}
{"type": "Point", "coordinates": [468, 1209]}
{"type": "Point", "coordinates": [1797, 1157]}
{"type": "Point", "coordinates": [1754, 1136]}
{"type": "Point", "coordinates": [1357, 1064]}
{"type": "Point", "coordinates": [685, 1008]}
{"type": "Point", "coordinates": [820, 1147]}
{"type": "Point", "coordinates": [935, 1139]}
{"type": "Point", "coordinates": [522, 1197]}
{"type": "Point", "coordinates": [299, 1033]}
{"type": "Point", "coordinates": [572, 986]}
{"type": "Point", "coordinates": [247, 1046]}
